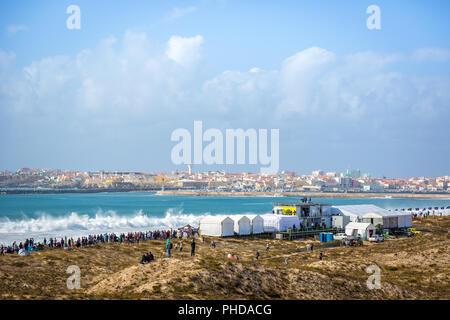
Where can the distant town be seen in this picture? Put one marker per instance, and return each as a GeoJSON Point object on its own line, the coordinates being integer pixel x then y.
{"type": "Point", "coordinates": [50, 180]}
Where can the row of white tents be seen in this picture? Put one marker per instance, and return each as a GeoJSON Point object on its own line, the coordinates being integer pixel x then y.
{"type": "Point", "coordinates": [225, 226]}
{"type": "Point", "coordinates": [362, 219]}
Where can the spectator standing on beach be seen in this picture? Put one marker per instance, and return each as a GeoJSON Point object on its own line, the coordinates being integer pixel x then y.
{"type": "Point", "coordinates": [267, 247]}
{"type": "Point", "coordinates": [193, 247]}
{"type": "Point", "coordinates": [181, 246]}
{"type": "Point", "coordinates": [168, 247]}
{"type": "Point", "coordinates": [257, 254]}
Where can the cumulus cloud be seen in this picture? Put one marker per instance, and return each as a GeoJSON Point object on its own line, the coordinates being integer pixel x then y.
{"type": "Point", "coordinates": [126, 77]}
{"type": "Point", "coordinates": [128, 87]}
{"type": "Point", "coordinates": [184, 51]}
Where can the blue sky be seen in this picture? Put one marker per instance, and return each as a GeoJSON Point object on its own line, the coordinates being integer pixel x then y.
{"type": "Point", "coordinates": [109, 95]}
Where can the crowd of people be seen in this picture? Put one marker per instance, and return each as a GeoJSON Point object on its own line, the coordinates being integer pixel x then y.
{"type": "Point", "coordinates": [425, 214]}
{"type": "Point", "coordinates": [131, 238]}
{"type": "Point", "coordinates": [66, 243]}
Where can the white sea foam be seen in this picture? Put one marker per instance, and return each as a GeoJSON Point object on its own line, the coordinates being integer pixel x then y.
{"type": "Point", "coordinates": [76, 224]}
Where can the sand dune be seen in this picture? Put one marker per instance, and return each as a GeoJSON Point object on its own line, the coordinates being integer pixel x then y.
{"type": "Point", "coordinates": [411, 268]}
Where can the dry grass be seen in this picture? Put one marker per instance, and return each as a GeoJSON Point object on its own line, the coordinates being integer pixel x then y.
{"type": "Point", "coordinates": [411, 268]}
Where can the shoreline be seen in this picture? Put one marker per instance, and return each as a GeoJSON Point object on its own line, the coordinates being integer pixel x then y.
{"type": "Point", "coordinates": [64, 191]}
{"type": "Point", "coordinates": [343, 195]}
{"type": "Point", "coordinates": [424, 196]}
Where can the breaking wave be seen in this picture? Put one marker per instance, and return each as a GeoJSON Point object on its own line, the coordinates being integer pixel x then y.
{"type": "Point", "coordinates": [102, 221]}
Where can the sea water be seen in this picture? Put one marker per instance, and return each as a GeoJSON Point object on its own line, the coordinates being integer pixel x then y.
{"type": "Point", "coordinates": [79, 214]}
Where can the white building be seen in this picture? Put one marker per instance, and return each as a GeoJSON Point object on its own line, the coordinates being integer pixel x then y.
{"type": "Point", "coordinates": [364, 230]}
{"type": "Point", "coordinates": [241, 225]}
{"type": "Point", "coordinates": [216, 226]}
{"type": "Point", "coordinates": [256, 223]}
{"type": "Point", "coordinates": [370, 213]}
{"type": "Point", "coordinates": [340, 221]}
{"type": "Point", "coordinates": [279, 222]}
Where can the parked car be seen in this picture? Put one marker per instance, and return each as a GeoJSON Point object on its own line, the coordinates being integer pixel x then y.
{"type": "Point", "coordinates": [340, 236]}
{"type": "Point", "coordinates": [376, 238]}
{"type": "Point", "coordinates": [413, 230]}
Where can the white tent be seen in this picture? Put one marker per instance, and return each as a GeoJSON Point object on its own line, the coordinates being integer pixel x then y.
{"type": "Point", "coordinates": [340, 221]}
{"type": "Point", "coordinates": [386, 220]}
{"type": "Point", "coordinates": [405, 219]}
{"type": "Point", "coordinates": [217, 226]}
{"type": "Point", "coordinates": [279, 222]}
{"type": "Point", "coordinates": [241, 225]}
{"type": "Point", "coordinates": [370, 213]}
{"type": "Point", "coordinates": [256, 223]}
{"type": "Point", "coordinates": [364, 230]}
{"type": "Point", "coordinates": [353, 212]}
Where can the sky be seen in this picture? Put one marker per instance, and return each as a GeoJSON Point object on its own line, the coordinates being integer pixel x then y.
{"type": "Point", "coordinates": [110, 94]}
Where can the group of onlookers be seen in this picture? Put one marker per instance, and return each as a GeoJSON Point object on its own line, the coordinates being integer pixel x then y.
{"type": "Point", "coordinates": [169, 247]}
{"type": "Point", "coordinates": [84, 242]}
{"type": "Point", "coordinates": [426, 214]}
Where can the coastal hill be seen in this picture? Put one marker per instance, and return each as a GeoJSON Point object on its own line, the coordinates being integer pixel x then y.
{"type": "Point", "coordinates": [411, 268]}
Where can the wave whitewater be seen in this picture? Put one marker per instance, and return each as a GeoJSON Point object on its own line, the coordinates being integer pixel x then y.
{"type": "Point", "coordinates": [108, 220]}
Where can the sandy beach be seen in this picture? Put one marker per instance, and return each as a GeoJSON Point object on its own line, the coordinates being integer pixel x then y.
{"type": "Point", "coordinates": [411, 268]}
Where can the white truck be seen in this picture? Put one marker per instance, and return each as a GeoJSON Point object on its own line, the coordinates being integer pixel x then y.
{"type": "Point", "coordinates": [339, 236]}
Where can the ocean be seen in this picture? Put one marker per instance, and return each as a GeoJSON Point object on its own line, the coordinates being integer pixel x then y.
{"type": "Point", "coordinates": [57, 215]}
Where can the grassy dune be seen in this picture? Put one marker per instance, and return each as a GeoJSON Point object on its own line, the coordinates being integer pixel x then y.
{"type": "Point", "coordinates": [411, 268]}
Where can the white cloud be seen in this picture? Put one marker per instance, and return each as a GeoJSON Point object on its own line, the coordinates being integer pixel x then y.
{"type": "Point", "coordinates": [184, 51]}
{"type": "Point", "coordinates": [127, 83]}
{"type": "Point", "coordinates": [301, 76]}
{"type": "Point", "coordinates": [178, 13]}
{"type": "Point", "coordinates": [15, 28]}
{"type": "Point", "coordinates": [431, 54]}
{"type": "Point", "coordinates": [130, 89]}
